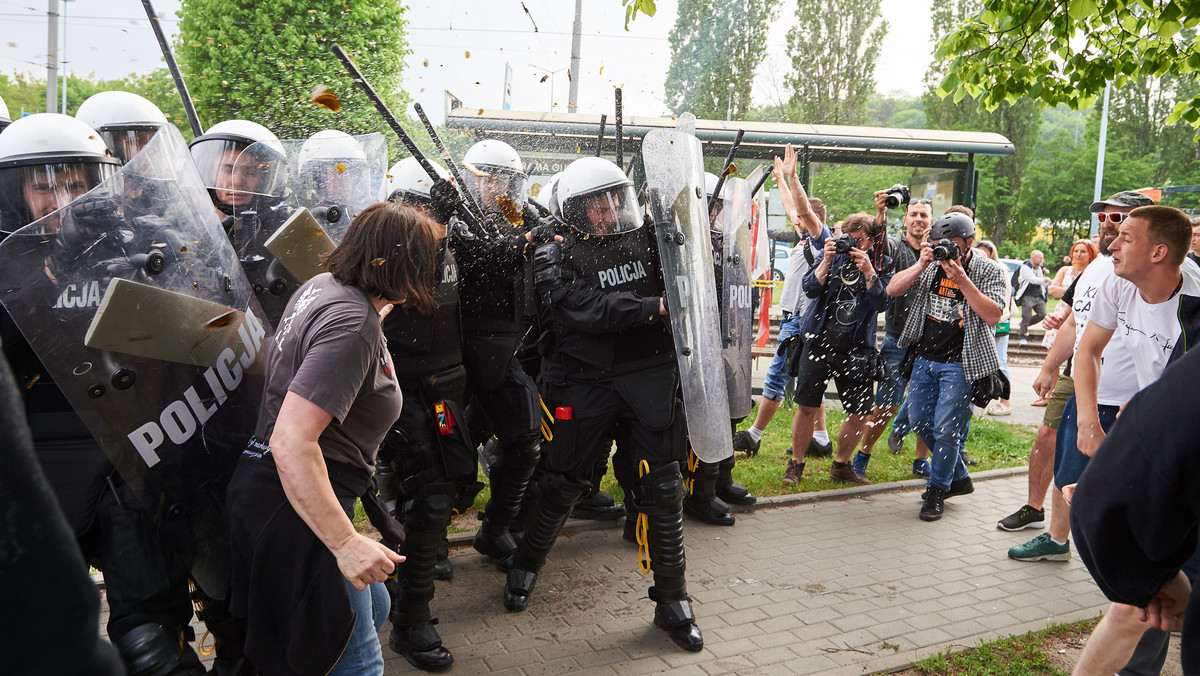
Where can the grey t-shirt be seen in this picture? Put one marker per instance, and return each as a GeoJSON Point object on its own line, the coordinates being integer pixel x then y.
{"type": "Point", "coordinates": [330, 349]}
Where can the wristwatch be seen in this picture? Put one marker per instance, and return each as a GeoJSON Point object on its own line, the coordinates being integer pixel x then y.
{"type": "Point", "coordinates": [872, 278]}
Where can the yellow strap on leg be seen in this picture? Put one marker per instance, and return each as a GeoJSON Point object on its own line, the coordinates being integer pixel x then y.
{"type": "Point", "coordinates": [198, 604]}
{"type": "Point", "coordinates": [643, 525]}
{"type": "Point", "coordinates": [547, 421]}
{"type": "Point", "coordinates": [693, 461]}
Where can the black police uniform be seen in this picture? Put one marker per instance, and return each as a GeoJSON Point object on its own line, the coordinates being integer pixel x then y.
{"type": "Point", "coordinates": [611, 369]}
{"type": "Point", "coordinates": [503, 398]}
{"type": "Point", "coordinates": [150, 606]}
{"type": "Point", "coordinates": [430, 452]}
{"type": "Point", "coordinates": [248, 232]}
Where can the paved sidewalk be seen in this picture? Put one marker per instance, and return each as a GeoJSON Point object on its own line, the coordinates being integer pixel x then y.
{"type": "Point", "coordinates": [839, 582]}
{"type": "Point", "coordinates": [847, 585]}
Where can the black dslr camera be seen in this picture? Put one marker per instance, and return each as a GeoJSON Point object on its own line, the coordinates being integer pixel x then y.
{"type": "Point", "coordinates": [897, 195]}
{"type": "Point", "coordinates": [844, 243]}
{"type": "Point", "coordinates": [945, 250]}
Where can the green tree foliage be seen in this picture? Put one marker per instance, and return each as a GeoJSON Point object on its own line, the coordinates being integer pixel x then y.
{"type": "Point", "coordinates": [1000, 178]}
{"type": "Point", "coordinates": [1065, 52]}
{"type": "Point", "coordinates": [834, 47]}
{"type": "Point", "coordinates": [713, 44]}
{"type": "Point", "coordinates": [261, 60]}
{"type": "Point", "coordinates": [847, 189]}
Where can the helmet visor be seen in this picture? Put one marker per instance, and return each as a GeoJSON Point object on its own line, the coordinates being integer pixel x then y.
{"type": "Point", "coordinates": [344, 183]}
{"type": "Point", "coordinates": [611, 211]}
{"type": "Point", "coordinates": [30, 192]}
{"type": "Point", "coordinates": [125, 143]}
{"type": "Point", "coordinates": [236, 173]}
{"type": "Point", "coordinates": [499, 191]}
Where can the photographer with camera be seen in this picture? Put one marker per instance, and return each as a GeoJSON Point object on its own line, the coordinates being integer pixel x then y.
{"type": "Point", "coordinates": [904, 249]}
{"type": "Point", "coordinates": [839, 341]}
{"type": "Point", "coordinates": [949, 334]}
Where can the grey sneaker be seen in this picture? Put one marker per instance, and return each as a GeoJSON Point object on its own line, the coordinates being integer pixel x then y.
{"type": "Point", "coordinates": [895, 442]}
{"type": "Point", "coordinates": [1041, 548]}
{"type": "Point", "coordinates": [1025, 517]}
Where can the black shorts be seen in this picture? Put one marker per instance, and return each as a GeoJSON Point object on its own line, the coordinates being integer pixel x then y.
{"type": "Point", "coordinates": [849, 373]}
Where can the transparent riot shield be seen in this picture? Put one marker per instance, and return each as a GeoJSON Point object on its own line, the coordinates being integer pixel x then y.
{"type": "Point", "coordinates": [737, 306]}
{"type": "Point", "coordinates": [760, 260]}
{"type": "Point", "coordinates": [134, 300]}
{"type": "Point", "coordinates": [675, 196]}
{"type": "Point", "coordinates": [336, 177]}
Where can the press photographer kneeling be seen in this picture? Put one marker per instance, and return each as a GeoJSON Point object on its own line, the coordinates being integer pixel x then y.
{"type": "Point", "coordinates": [838, 330]}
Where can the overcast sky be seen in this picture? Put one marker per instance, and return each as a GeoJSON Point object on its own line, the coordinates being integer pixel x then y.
{"type": "Point", "coordinates": [111, 39]}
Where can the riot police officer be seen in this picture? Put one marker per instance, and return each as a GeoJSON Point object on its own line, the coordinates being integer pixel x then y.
{"type": "Point", "coordinates": [711, 488]}
{"type": "Point", "coordinates": [244, 167]}
{"type": "Point", "coordinates": [125, 121]}
{"type": "Point", "coordinates": [46, 162]}
{"type": "Point", "coordinates": [612, 366]}
{"type": "Point", "coordinates": [334, 179]}
{"type": "Point", "coordinates": [428, 454]}
{"type": "Point", "coordinates": [504, 399]}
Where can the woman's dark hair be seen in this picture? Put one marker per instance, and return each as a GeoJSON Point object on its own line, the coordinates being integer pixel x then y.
{"type": "Point", "coordinates": [860, 221]}
{"type": "Point", "coordinates": [390, 252]}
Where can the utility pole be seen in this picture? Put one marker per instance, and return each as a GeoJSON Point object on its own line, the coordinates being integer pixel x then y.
{"type": "Point", "coordinates": [573, 74]}
{"type": "Point", "coordinates": [64, 59]}
{"type": "Point", "coordinates": [52, 57]}
{"type": "Point", "coordinates": [1100, 157]}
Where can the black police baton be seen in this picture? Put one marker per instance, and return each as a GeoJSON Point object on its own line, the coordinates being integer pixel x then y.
{"type": "Point", "coordinates": [188, 108]}
{"type": "Point", "coordinates": [761, 181]}
{"type": "Point", "coordinates": [600, 136]}
{"type": "Point", "coordinates": [620, 129]}
{"type": "Point", "coordinates": [445, 154]}
{"type": "Point", "coordinates": [464, 212]}
{"type": "Point", "coordinates": [737, 141]}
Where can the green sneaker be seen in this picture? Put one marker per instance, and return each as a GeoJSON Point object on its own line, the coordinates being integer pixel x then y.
{"type": "Point", "coordinates": [1041, 548]}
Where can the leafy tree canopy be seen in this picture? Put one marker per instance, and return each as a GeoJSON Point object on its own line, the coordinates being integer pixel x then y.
{"type": "Point", "coordinates": [1065, 52]}
{"type": "Point", "coordinates": [261, 61]}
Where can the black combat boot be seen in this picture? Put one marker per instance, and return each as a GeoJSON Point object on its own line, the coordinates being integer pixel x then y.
{"type": "Point", "coordinates": [553, 496]}
{"type": "Point", "coordinates": [413, 636]}
{"type": "Point", "coordinates": [660, 496]}
{"type": "Point", "coordinates": [702, 501]}
{"type": "Point", "coordinates": [509, 479]}
{"type": "Point", "coordinates": [728, 490]}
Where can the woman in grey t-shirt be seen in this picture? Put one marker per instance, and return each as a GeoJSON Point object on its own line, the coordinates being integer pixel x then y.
{"type": "Point", "coordinates": [301, 573]}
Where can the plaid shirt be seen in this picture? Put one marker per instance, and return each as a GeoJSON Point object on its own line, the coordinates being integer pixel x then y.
{"type": "Point", "coordinates": [979, 357]}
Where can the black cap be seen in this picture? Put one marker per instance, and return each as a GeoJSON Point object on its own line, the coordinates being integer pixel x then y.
{"type": "Point", "coordinates": [1127, 199]}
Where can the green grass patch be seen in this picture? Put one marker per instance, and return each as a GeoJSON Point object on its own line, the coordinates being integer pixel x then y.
{"type": "Point", "coordinates": [1023, 655]}
{"type": "Point", "coordinates": [994, 444]}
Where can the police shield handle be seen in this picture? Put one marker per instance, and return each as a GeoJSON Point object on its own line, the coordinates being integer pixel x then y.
{"type": "Point", "coordinates": [300, 243]}
{"type": "Point", "coordinates": [147, 321]}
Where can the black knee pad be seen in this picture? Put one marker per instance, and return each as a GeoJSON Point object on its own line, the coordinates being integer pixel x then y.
{"type": "Point", "coordinates": [557, 489]}
{"type": "Point", "coordinates": [430, 508]}
{"type": "Point", "coordinates": [154, 650]}
{"type": "Point", "coordinates": [660, 491]}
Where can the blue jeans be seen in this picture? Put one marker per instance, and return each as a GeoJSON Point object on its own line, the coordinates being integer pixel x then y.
{"type": "Point", "coordinates": [891, 391]}
{"type": "Point", "coordinates": [939, 404]}
{"type": "Point", "coordinates": [776, 380]}
{"type": "Point", "coordinates": [363, 655]}
{"type": "Point", "coordinates": [1002, 352]}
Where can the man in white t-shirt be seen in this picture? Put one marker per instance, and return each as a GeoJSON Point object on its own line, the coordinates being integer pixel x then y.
{"type": "Point", "coordinates": [1152, 303]}
{"type": "Point", "coordinates": [1117, 384]}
